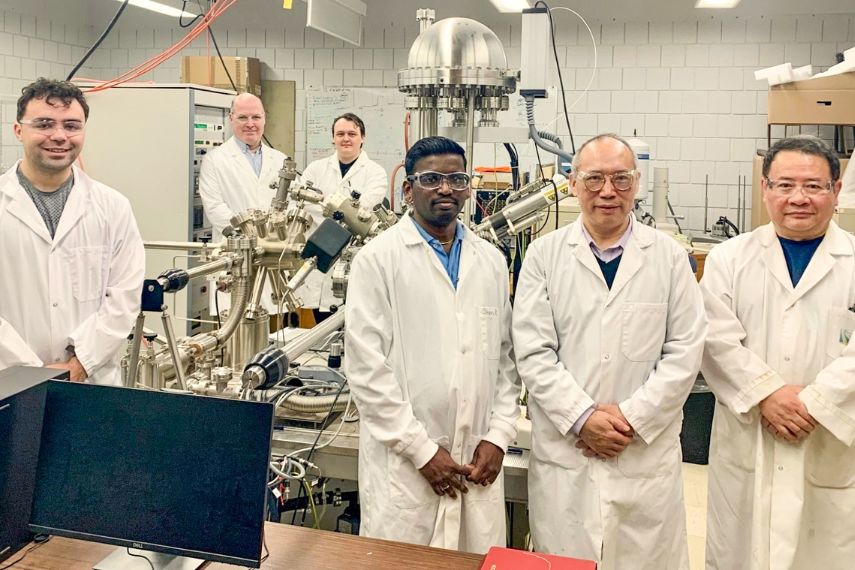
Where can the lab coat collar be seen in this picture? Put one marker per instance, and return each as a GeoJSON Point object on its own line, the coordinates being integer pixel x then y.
{"type": "Point", "coordinates": [834, 244]}
{"type": "Point", "coordinates": [233, 147]}
{"type": "Point", "coordinates": [22, 207]}
{"type": "Point", "coordinates": [360, 162]}
{"type": "Point", "coordinates": [411, 237]}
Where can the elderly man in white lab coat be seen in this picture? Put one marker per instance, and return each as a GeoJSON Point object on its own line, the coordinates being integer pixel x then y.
{"type": "Point", "coordinates": [236, 176]}
{"type": "Point", "coordinates": [72, 261]}
{"type": "Point", "coordinates": [430, 365]}
{"type": "Point", "coordinates": [780, 304]}
{"type": "Point", "coordinates": [347, 170]}
{"type": "Point", "coordinates": [608, 332]}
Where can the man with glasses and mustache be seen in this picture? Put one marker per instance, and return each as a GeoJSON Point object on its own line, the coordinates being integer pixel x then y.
{"type": "Point", "coordinates": [431, 367]}
{"type": "Point", "coordinates": [608, 332]}
{"type": "Point", "coordinates": [71, 258]}
{"type": "Point", "coordinates": [780, 303]}
{"type": "Point", "coordinates": [236, 176]}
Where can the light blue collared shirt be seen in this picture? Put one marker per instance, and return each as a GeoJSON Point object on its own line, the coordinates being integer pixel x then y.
{"type": "Point", "coordinates": [451, 260]}
{"type": "Point", "coordinates": [254, 159]}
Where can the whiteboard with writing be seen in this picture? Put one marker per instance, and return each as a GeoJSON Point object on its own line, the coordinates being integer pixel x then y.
{"type": "Point", "coordinates": [382, 111]}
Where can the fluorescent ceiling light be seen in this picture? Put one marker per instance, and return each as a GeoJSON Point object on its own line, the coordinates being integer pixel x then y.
{"type": "Point", "coordinates": [716, 3]}
{"type": "Point", "coordinates": [511, 5]}
{"type": "Point", "coordinates": [160, 8]}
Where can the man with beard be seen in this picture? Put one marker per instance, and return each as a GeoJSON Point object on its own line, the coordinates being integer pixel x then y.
{"type": "Point", "coordinates": [72, 260]}
{"type": "Point", "coordinates": [431, 367]}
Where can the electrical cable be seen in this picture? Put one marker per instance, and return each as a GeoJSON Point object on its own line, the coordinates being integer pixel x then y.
{"type": "Point", "coordinates": [560, 77]}
{"type": "Point", "coordinates": [181, 16]}
{"type": "Point", "coordinates": [40, 539]}
{"type": "Point", "coordinates": [97, 43]}
{"type": "Point", "coordinates": [150, 563]}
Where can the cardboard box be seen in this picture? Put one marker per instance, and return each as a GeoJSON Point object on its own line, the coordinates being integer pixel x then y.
{"type": "Point", "coordinates": [204, 70]}
{"type": "Point", "coordinates": [818, 101]}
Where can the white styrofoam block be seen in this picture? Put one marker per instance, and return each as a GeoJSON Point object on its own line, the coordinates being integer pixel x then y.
{"type": "Point", "coordinates": [646, 102]}
{"type": "Point", "coordinates": [673, 56]}
{"type": "Point", "coordinates": [254, 38]}
{"type": "Point", "coordinates": [754, 126]}
{"type": "Point", "coordinates": [658, 79]}
{"type": "Point", "coordinates": [718, 149]}
{"type": "Point", "coordinates": [808, 29]}
{"type": "Point", "coordinates": [304, 58]}
{"type": "Point", "coordinates": [667, 148]}
{"type": "Point", "coordinates": [746, 55]}
{"type": "Point", "coordinates": [696, 102]}
{"type": "Point", "coordinates": [634, 79]}
{"type": "Point", "coordinates": [709, 31]}
{"type": "Point", "coordinates": [625, 56]}
{"type": "Point", "coordinates": [363, 59]}
{"type": "Point", "coordinates": [835, 29]}
{"type": "Point", "coordinates": [707, 78]}
{"type": "Point", "coordinates": [636, 33]}
{"type": "Point", "coordinates": [313, 38]}
{"type": "Point", "coordinates": [609, 79]}
{"type": "Point", "coordinates": [333, 78]}
{"type": "Point", "coordinates": [284, 58]}
{"type": "Point", "coordinates": [649, 56]}
{"type": "Point", "coordinates": [313, 78]}
{"type": "Point", "coordinates": [352, 78]}
{"type": "Point", "coordinates": [608, 123]}
{"type": "Point", "coordinates": [721, 55]}
{"type": "Point", "coordinates": [602, 103]}
{"type": "Point", "coordinates": [657, 126]}
{"type": "Point", "coordinates": [733, 31]}
{"type": "Point", "coordinates": [384, 59]}
{"type": "Point", "coordinates": [633, 126]}
{"type": "Point", "coordinates": [751, 84]}
{"type": "Point", "coordinates": [705, 126]}
{"type": "Point", "coordinates": [797, 54]}
{"type": "Point", "coordinates": [394, 36]}
{"type": "Point", "coordinates": [274, 38]}
{"type": "Point", "coordinates": [680, 125]}
{"type": "Point", "coordinates": [670, 102]}
{"type": "Point", "coordinates": [236, 38]}
{"type": "Point", "coordinates": [685, 32]}
{"type": "Point", "coordinates": [343, 59]}
{"type": "Point", "coordinates": [759, 30]}
{"type": "Point", "coordinates": [661, 32]}
{"type": "Point", "coordinates": [744, 103]}
{"type": "Point", "coordinates": [682, 79]}
{"type": "Point", "coordinates": [621, 101]}
{"type": "Point", "coordinates": [295, 38]}
{"type": "Point", "coordinates": [783, 29]}
{"type": "Point", "coordinates": [697, 55]}
{"type": "Point", "coordinates": [731, 78]}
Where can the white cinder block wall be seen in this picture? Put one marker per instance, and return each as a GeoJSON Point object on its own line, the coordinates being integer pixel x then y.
{"type": "Point", "coordinates": [685, 87]}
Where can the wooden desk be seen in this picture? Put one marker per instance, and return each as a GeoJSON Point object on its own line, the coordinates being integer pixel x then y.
{"type": "Point", "coordinates": [291, 548]}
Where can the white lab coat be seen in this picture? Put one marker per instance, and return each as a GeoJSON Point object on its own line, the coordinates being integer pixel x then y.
{"type": "Point", "coordinates": [83, 287]}
{"type": "Point", "coordinates": [228, 186]}
{"type": "Point", "coordinates": [846, 197]}
{"type": "Point", "coordinates": [366, 177]}
{"type": "Point", "coordinates": [774, 505]}
{"type": "Point", "coordinates": [637, 345]}
{"type": "Point", "coordinates": [429, 366]}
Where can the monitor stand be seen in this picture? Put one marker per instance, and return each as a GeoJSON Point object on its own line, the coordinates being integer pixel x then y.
{"type": "Point", "coordinates": [121, 560]}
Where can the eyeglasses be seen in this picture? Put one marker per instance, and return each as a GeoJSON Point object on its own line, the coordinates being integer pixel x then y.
{"type": "Point", "coordinates": [595, 181]}
{"type": "Point", "coordinates": [457, 181]}
{"type": "Point", "coordinates": [243, 119]}
{"type": "Point", "coordinates": [789, 187]}
{"type": "Point", "coordinates": [48, 127]}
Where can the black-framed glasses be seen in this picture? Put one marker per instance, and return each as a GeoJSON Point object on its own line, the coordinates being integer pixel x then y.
{"type": "Point", "coordinates": [789, 187]}
{"type": "Point", "coordinates": [457, 181]}
{"type": "Point", "coordinates": [595, 181]}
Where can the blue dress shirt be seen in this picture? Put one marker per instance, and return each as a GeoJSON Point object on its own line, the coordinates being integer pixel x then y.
{"type": "Point", "coordinates": [451, 260]}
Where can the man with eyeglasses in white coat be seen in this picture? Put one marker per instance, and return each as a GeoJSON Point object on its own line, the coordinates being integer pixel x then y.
{"type": "Point", "coordinates": [236, 176]}
{"type": "Point", "coordinates": [71, 257]}
{"type": "Point", "coordinates": [431, 367]}
{"type": "Point", "coordinates": [779, 359]}
{"type": "Point", "coordinates": [608, 332]}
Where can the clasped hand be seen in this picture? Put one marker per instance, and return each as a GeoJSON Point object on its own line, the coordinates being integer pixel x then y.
{"type": "Point", "coordinates": [605, 434]}
{"type": "Point", "coordinates": [785, 416]}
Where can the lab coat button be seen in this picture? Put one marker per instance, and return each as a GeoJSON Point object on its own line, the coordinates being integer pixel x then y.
{"type": "Point", "coordinates": [787, 358]}
{"type": "Point", "coordinates": [56, 304]}
{"type": "Point", "coordinates": [607, 357]}
{"type": "Point", "coordinates": [56, 360]}
{"type": "Point", "coordinates": [462, 350]}
{"type": "Point", "coordinates": [780, 467]}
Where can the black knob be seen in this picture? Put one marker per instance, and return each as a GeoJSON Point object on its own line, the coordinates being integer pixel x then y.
{"type": "Point", "coordinates": [355, 195]}
{"type": "Point", "coordinates": [338, 215]}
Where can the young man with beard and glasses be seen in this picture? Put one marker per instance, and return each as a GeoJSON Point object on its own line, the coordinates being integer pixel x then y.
{"type": "Point", "coordinates": [71, 260]}
{"type": "Point", "coordinates": [431, 367]}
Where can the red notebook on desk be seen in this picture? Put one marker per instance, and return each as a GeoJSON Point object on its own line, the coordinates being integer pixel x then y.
{"type": "Point", "coordinates": [509, 559]}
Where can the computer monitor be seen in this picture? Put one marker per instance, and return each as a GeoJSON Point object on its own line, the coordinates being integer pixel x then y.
{"type": "Point", "coordinates": [171, 473]}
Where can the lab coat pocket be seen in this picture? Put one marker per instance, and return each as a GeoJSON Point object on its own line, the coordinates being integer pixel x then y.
{"type": "Point", "coordinates": [735, 442]}
{"type": "Point", "coordinates": [829, 462]}
{"type": "Point", "coordinates": [408, 489]}
{"type": "Point", "coordinates": [643, 330]}
{"type": "Point", "coordinates": [841, 324]}
{"type": "Point", "coordinates": [549, 446]}
{"type": "Point", "coordinates": [87, 272]}
{"type": "Point", "coordinates": [491, 339]}
{"type": "Point", "coordinates": [642, 461]}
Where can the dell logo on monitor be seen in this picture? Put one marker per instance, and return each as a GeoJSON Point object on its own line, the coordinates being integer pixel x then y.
{"type": "Point", "coordinates": [137, 545]}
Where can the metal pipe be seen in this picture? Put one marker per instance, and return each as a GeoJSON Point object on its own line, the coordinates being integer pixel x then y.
{"type": "Point", "coordinates": [302, 274]}
{"type": "Point", "coordinates": [240, 297]}
{"type": "Point", "coordinates": [317, 404]}
{"type": "Point", "coordinates": [178, 245]}
{"type": "Point", "coordinates": [296, 348]}
{"type": "Point", "coordinates": [133, 363]}
{"type": "Point", "coordinates": [706, 203]}
{"type": "Point", "coordinates": [258, 287]}
{"type": "Point", "coordinates": [173, 349]}
{"type": "Point", "coordinates": [470, 148]}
